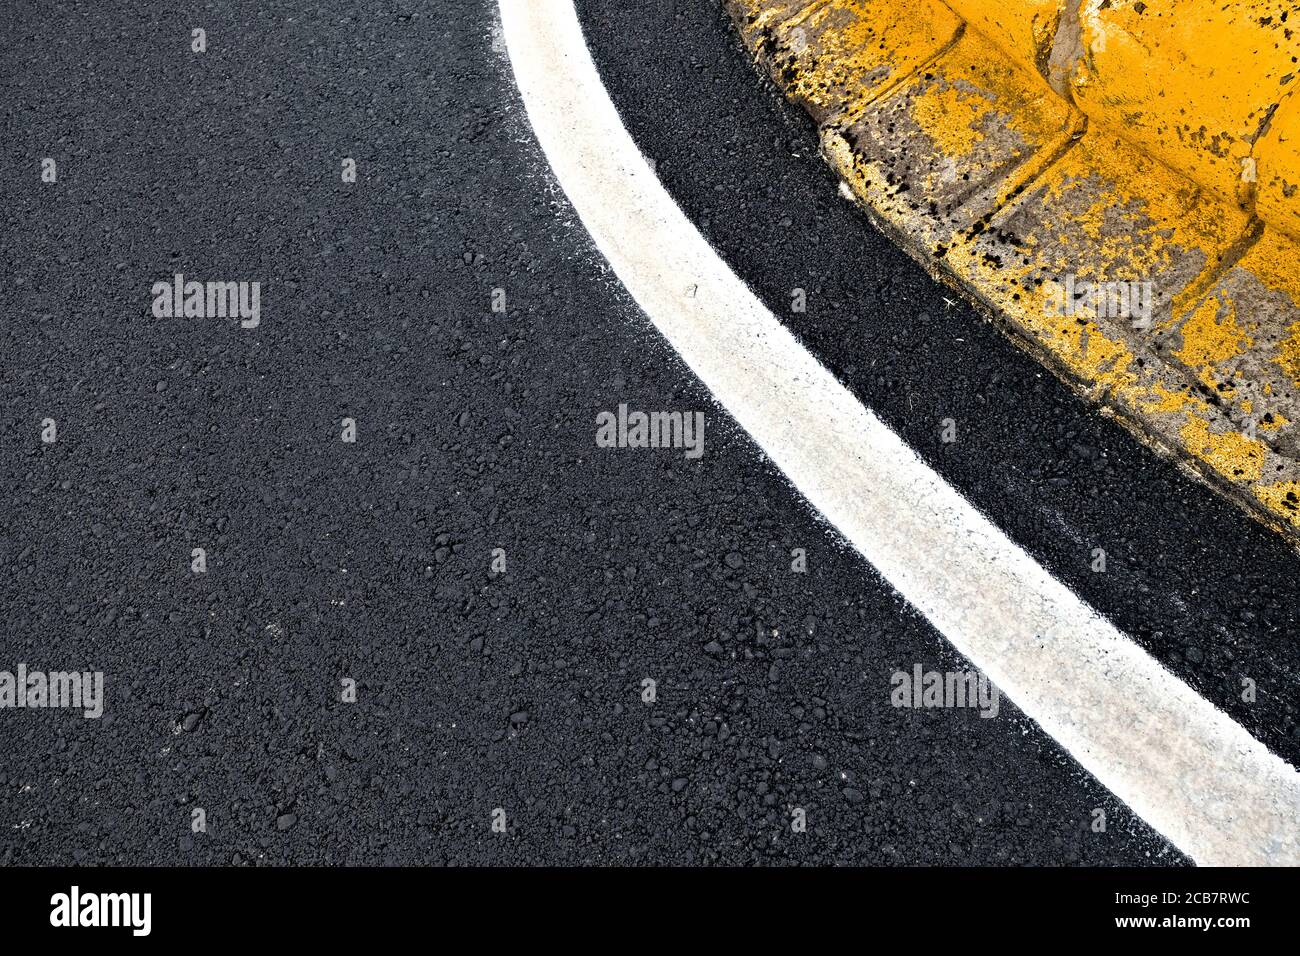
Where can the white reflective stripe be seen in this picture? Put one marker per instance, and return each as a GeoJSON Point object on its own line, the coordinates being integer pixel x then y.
{"type": "Point", "coordinates": [1186, 768]}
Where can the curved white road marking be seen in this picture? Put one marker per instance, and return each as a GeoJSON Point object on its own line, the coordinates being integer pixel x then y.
{"type": "Point", "coordinates": [1182, 765]}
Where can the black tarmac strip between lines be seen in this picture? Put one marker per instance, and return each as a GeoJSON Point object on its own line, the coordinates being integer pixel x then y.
{"type": "Point", "coordinates": [1204, 589]}
{"type": "Point", "coordinates": [513, 696]}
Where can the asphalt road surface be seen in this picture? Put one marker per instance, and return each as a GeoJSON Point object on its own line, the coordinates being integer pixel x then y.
{"type": "Point", "coordinates": [331, 562]}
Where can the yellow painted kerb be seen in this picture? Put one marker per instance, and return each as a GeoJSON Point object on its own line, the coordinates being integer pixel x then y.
{"type": "Point", "coordinates": [1117, 182]}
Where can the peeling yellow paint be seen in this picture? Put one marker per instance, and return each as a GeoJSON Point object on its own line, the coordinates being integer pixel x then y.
{"type": "Point", "coordinates": [987, 174]}
{"type": "Point", "coordinates": [1161, 400]}
{"type": "Point", "coordinates": [836, 57]}
{"type": "Point", "coordinates": [1231, 454]}
{"type": "Point", "coordinates": [1211, 337]}
{"type": "Point", "coordinates": [951, 116]}
{"type": "Point", "coordinates": [1282, 499]}
{"type": "Point", "coordinates": [1191, 81]}
{"type": "Point", "coordinates": [1020, 28]}
{"type": "Point", "coordinates": [1288, 354]}
{"type": "Point", "coordinates": [1277, 154]}
{"type": "Point", "coordinates": [1272, 260]}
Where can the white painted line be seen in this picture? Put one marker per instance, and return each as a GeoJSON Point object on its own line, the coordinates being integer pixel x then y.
{"type": "Point", "coordinates": [1192, 773]}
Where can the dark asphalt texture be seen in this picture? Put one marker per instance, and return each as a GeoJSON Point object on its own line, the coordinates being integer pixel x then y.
{"type": "Point", "coordinates": [370, 561]}
{"type": "Point", "coordinates": [1203, 588]}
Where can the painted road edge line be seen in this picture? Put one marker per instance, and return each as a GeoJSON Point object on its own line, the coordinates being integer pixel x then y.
{"type": "Point", "coordinates": [1181, 764]}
